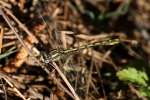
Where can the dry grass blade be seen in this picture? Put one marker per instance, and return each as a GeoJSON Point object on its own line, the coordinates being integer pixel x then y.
{"type": "Point", "coordinates": [66, 81]}
{"type": "Point", "coordinates": [4, 4]}
{"type": "Point", "coordinates": [1, 39]}
{"type": "Point", "coordinates": [89, 79]}
{"type": "Point", "coordinates": [61, 85]}
{"type": "Point", "coordinates": [7, 53]}
{"type": "Point", "coordinates": [4, 89]}
{"type": "Point", "coordinates": [12, 43]}
{"type": "Point", "coordinates": [8, 81]}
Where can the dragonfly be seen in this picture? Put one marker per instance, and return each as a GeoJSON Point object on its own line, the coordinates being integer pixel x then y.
{"type": "Point", "coordinates": [56, 55]}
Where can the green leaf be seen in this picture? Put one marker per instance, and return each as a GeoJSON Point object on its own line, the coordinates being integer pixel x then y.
{"type": "Point", "coordinates": [8, 52]}
{"type": "Point", "coordinates": [145, 91]}
{"type": "Point", "coordinates": [134, 76]}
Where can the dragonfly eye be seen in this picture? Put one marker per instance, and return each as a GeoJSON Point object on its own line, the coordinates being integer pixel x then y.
{"type": "Point", "coordinates": [45, 58]}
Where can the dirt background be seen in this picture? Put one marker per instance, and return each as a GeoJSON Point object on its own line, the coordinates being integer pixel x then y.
{"type": "Point", "coordinates": [45, 25]}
